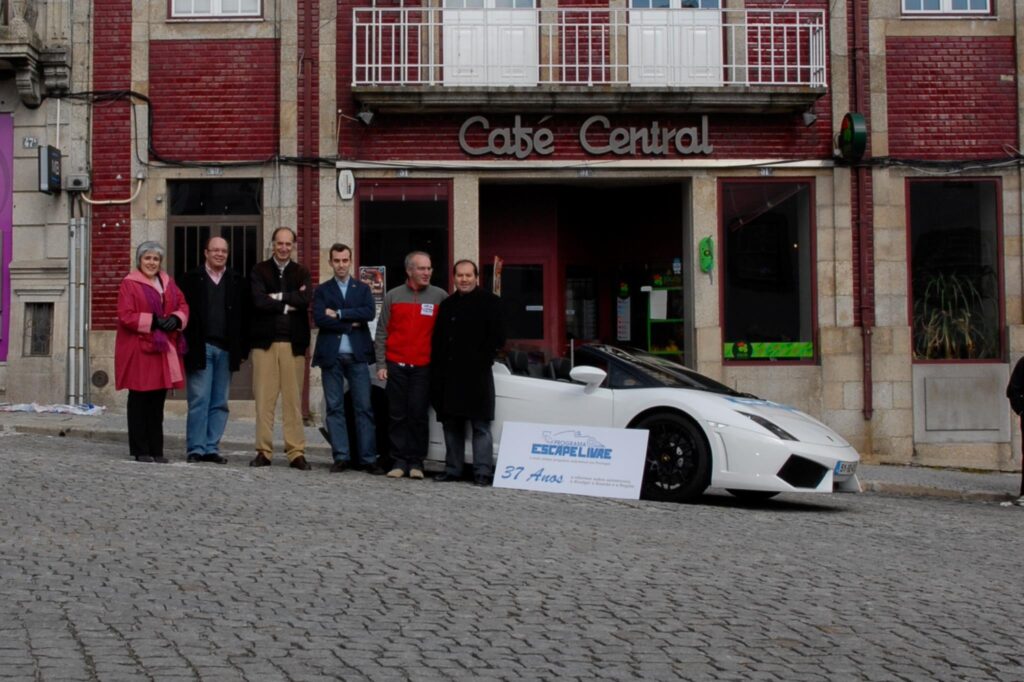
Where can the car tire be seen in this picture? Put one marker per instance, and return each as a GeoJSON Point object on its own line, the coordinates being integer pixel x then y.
{"type": "Point", "coordinates": [752, 495]}
{"type": "Point", "coordinates": [678, 460]}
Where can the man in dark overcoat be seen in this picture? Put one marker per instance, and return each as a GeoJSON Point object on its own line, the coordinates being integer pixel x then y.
{"type": "Point", "coordinates": [466, 338]}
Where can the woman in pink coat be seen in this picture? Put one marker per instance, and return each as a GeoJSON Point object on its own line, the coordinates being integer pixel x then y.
{"type": "Point", "coordinates": [148, 351]}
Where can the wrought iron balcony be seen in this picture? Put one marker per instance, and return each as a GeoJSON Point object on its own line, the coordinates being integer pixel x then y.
{"type": "Point", "coordinates": [568, 59]}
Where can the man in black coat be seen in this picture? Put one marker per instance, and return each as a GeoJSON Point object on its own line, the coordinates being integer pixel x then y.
{"type": "Point", "coordinates": [217, 345]}
{"type": "Point", "coordinates": [281, 292]}
{"type": "Point", "coordinates": [466, 338]}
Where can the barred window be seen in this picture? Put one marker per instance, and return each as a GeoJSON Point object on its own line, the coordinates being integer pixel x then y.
{"type": "Point", "coordinates": [38, 337]}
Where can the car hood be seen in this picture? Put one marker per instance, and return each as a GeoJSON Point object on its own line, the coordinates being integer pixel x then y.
{"type": "Point", "coordinates": [802, 426]}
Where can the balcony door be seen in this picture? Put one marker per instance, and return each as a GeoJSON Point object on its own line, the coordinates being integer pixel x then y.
{"type": "Point", "coordinates": [490, 42]}
{"type": "Point", "coordinates": [675, 43]}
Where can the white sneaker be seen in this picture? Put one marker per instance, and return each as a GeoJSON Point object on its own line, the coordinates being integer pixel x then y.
{"type": "Point", "coordinates": [1019, 501]}
{"type": "Point", "coordinates": [416, 473]}
{"type": "Point", "coordinates": [395, 473]}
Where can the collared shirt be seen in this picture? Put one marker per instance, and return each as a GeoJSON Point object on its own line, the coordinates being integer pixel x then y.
{"type": "Point", "coordinates": [214, 275]}
{"type": "Point", "coordinates": [345, 346]}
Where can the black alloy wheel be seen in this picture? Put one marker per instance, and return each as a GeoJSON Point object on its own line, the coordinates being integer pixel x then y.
{"type": "Point", "coordinates": [678, 459]}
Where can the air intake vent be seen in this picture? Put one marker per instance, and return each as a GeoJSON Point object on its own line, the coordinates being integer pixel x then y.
{"type": "Point", "coordinates": [801, 472]}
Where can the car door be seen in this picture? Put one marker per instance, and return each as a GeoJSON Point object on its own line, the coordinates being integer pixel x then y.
{"type": "Point", "coordinates": [548, 401]}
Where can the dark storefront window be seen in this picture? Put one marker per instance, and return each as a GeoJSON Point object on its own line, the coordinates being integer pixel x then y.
{"type": "Point", "coordinates": [768, 291]}
{"type": "Point", "coordinates": [954, 265]}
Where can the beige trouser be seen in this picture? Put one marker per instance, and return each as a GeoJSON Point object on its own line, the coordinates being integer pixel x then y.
{"type": "Point", "coordinates": [276, 371]}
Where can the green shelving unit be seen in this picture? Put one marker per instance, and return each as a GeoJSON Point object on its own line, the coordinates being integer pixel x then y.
{"type": "Point", "coordinates": [665, 328]}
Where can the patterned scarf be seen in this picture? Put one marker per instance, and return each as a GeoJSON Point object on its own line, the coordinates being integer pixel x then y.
{"type": "Point", "coordinates": [156, 306]}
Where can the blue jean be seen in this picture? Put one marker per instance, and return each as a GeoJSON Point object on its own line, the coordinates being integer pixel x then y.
{"type": "Point", "coordinates": [455, 446]}
{"type": "Point", "coordinates": [208, 403]}
{"type": "Point", "coordinates": [358, 376]}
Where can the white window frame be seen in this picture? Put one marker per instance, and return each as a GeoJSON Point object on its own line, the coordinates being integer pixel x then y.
{"type": "Point", "coordinates": [217, 10]}
{"type": "Point", "coordinates": [946, 7]}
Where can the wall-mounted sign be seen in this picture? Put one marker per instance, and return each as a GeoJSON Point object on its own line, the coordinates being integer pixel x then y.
{"type": "Point", "coordinates": [346, 184]}
{"type": "Point", "coordinates": [49, 169]}
{"type": "Point", "coordinates": [596, 136]}
{"type": "Point", "coordinates": [853, 136]}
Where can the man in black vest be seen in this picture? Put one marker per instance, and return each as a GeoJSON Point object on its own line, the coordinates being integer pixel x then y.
{"type": "Point", "coordinates": [217, 345]}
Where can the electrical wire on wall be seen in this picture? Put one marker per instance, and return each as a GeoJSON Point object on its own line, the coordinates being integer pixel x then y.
{"type": "Point", "coordinates": [1013, 157]}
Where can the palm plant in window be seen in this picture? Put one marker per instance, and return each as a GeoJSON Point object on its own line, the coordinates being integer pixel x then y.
{"type": "Point", "coordinates": [950, 320]}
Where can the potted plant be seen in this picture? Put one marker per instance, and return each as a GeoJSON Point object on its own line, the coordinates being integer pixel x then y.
{"type": "Point", "coordinates": [949, 319]}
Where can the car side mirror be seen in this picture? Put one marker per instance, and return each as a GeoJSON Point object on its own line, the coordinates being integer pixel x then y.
{"type": "Point", "coordinates": [591, 377]}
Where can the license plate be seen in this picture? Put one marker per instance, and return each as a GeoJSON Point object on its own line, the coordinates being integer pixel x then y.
{"type": "Point", "coordinates": [845, 468]}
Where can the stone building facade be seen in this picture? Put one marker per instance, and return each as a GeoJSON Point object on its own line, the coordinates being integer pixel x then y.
{"type": "Point", "coordinates": [683, 176]}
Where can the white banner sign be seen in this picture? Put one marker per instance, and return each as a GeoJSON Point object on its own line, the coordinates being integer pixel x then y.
{"type": "Point", "coordinates": [581, 460]}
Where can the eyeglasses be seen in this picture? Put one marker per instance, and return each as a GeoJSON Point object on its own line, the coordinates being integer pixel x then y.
{"type": "Point", "coordinates": [423, 269]}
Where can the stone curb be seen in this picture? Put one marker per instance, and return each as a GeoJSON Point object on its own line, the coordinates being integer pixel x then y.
{"type": "Point", "coordinates": [912, 490]}
{"type": "Point", "coordinates": [77, 428]}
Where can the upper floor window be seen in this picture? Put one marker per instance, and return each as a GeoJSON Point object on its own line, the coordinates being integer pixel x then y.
{"type": "Point", "coordinates": [947, 6]}
{"type": "Point", "coordinates": [200, 9]}
{"type": "Point", "coordinates": [672, 4]}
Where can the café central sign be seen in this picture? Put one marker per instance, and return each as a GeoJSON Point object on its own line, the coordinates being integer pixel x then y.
{"type": "Point", "coordinates": [596, 137]}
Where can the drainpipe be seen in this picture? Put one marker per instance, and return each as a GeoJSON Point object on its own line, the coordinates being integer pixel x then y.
{"type": "Point", "coordinates": [306, 151]}
{"type": "Point", "coordinates": [71, 365]}
{"type": "Point", "coordinates": [859, 72]}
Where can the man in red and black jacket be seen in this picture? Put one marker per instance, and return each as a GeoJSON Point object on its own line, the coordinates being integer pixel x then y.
{"type": "Point", "coordinates": [402, 349]}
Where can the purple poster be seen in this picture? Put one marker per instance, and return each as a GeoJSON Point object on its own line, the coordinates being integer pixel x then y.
{"type": "Point", "coordinates": [6, 227]}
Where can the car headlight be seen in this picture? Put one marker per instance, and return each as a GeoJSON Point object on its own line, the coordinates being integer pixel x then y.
{"type": "Point", "coordinates": [770, 425]}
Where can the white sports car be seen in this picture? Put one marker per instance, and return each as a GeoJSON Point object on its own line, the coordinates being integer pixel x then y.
{"type": "Point", "coordinates": [702, 433]}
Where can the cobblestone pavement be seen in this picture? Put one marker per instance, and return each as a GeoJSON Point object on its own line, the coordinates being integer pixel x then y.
{"type": "Point", "coordinates": [113, 570]}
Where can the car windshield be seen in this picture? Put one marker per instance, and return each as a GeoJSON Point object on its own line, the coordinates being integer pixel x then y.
{"type": "Point", "coordinates": [664, 372]}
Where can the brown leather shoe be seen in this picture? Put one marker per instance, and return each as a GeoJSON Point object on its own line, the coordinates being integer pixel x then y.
{"type": "Point", "coordinates": [300, 463]}
{"type": "Point", "coordinates": [260, 460]}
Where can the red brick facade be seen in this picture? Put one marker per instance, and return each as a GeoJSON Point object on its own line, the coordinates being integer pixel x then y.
{"type": "Point", "coordinates": [214, 100]}
{"type": "Point", "coordinates": [111, 160]}
{"type": "Point", "coordinates": [951, 98]}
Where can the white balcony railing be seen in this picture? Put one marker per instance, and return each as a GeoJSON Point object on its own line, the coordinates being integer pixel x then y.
{"type": "Point", "coordinates": [659, 48]}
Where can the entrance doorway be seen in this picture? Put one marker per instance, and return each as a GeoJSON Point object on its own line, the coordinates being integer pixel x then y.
{"type": "Point", "coordinates": [201, 209]}
{"type": "Point", "coordinates": [396, 219]}
{"type": "Point", "coordinates": [607, 259]}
